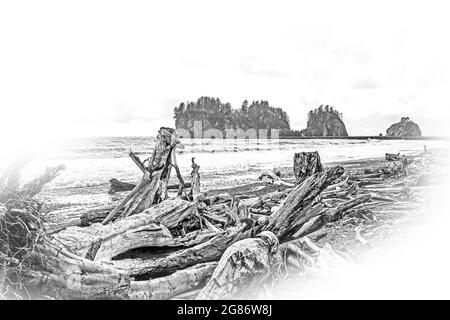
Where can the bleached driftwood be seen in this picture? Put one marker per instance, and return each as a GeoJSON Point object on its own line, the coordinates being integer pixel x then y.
{"type": "Point", "coordinates": [242, 264]}
{"type": "Point", "coordinates": [207, 251]}
{"type": "Point", "coordinates": [177, 283]}
{"type": "Point", "coordinates": [392, 156]}
{"type": "Point", "coordinates": [119, 186]}
{"type": "Point", "coordinates": [306, 164]}
{"type": "Point", "coordinates": [300, 198]}
{"type": "Point", "coordinates": [249, 264]}
{"type": "Point", "coordinates": [150, 228]}
{"type": "Point", "coordinates": [10, 181]}
{"type": "Point", "coordinates": [195, 181]}
{"type": "Point", "coordinates": [152, 189]}
{"type": "Point", "coordinates": [172, 247]}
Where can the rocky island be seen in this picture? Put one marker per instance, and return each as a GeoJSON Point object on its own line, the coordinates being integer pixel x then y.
{"type": "Point", "coordinates": [404, 128]}
{"type": "Point", "coordinates": [325, 121]}
{"type": "Point", "coordinates": [214, 114]}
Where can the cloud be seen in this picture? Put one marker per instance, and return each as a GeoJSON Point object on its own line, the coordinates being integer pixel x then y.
{"type": "Point", "coordinates": [365, 84]}
{"type": "Point", "coordinates": [296, 55]}
{"type": "Point", "coordinates": [167, 106]}
{"type": "Point", "coordinates": [252, 66]}
{"type": "Point", "coordinates": [124, 113]}
{"type": "Point", "coordinates": [378, 123]}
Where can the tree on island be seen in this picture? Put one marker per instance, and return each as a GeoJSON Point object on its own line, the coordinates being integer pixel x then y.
{"type": "Point", "coordinates": [215, 114]}
{"type": "Point", "coordinates": [324, 121]}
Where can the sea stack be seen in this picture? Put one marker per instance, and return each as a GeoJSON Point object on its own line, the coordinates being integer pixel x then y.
{"type": "Point", "coordinates": [404, 128]}
{"type": "Point", "coordinates": [325, 121]}
{"type": "Point", "coordinates": [214, 114]}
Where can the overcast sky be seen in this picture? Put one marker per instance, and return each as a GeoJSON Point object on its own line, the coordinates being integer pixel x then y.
{"type": "Point", "coordinates": [120, 67]}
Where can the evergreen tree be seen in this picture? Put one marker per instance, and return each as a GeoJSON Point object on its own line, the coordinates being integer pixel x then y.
{"type": "Point", "coordinates": [215, 114]}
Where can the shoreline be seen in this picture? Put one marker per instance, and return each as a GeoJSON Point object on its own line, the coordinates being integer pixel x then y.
{"type": "Point", "coordinates": [60, 203]}
{"type": "Point", "coordinates": [440, 138]}
{"type": "Point", "coordinates": [210, 181]}
{"type": "Point", "coordinates": [287, 137]}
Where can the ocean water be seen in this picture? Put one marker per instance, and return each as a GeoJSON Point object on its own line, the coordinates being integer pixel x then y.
{"type": "Point", "coordinates": [93, 161]}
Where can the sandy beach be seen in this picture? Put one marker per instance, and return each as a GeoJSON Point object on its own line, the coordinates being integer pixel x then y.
{"type": "Point", "coordinates": [62, 209]}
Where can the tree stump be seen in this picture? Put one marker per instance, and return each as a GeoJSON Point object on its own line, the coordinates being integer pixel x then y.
{"type": "Point", "coordinates": [152, 188]}
{"type": "Point", "coordinates": [195, 184]}
{"type": "Point", "coordinates": [306, 164]}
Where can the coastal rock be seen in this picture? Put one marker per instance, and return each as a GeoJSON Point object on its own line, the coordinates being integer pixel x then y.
{"type": "Point", "coordinates": [326, 122]}
{"type": "Point", "coordinates": [217, 115]}
{"type": "Point", "coordinates": [404, 128]}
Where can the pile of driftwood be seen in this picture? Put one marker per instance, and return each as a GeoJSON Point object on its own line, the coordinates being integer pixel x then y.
{"type": "Point", "coordinates": [205, 245]}
{"type": "Point", "coordinates": [397, 189]}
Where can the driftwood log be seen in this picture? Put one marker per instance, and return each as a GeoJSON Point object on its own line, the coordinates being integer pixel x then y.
{"type": "Point", "coordinates": [306, 164]}
{"type": "Point", "coordinates": [242, 264]}
{"type": "Point", "coordinates": [44, 265]}
{"type": "Point", "coordinates": [120, 186]}
{"type": "Point", "coordinates": [101, 213]}
{"type": "Point", "coordinates": [152, 188]}
{"type": "Point", "coordinates": [82, 262]}
{"type": "Point", "coordinates": [173, 246]}
{"type": "Point", "coordinates": [278, 223]}
{"type": "Point", "coordinates": [299, 201]}
{"type": "Point", "coordinates": [392, 156]}
{"type": "Point", "coordinates": [250, 264]}
{"type": "Point", "coordinates": [178, 282]}
{"type": "Point", "coordinates": [10, 181]}
{"type": "Point", "coordinates": [10, 178]}
{"type": "Point", "coordinates": [195, 181]}
{"type": "Point", "coordinates": [148, 229]}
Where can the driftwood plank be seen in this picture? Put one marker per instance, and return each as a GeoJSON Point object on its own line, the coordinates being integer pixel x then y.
{"type": "Point", "coordinates": [208, 251]}
{"type": "Point", "coordinates": [147, 229]}
{"type": "Point", "coordinates": [177, 283]}
{"type": "Point", "coordinates": [300, 198]}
